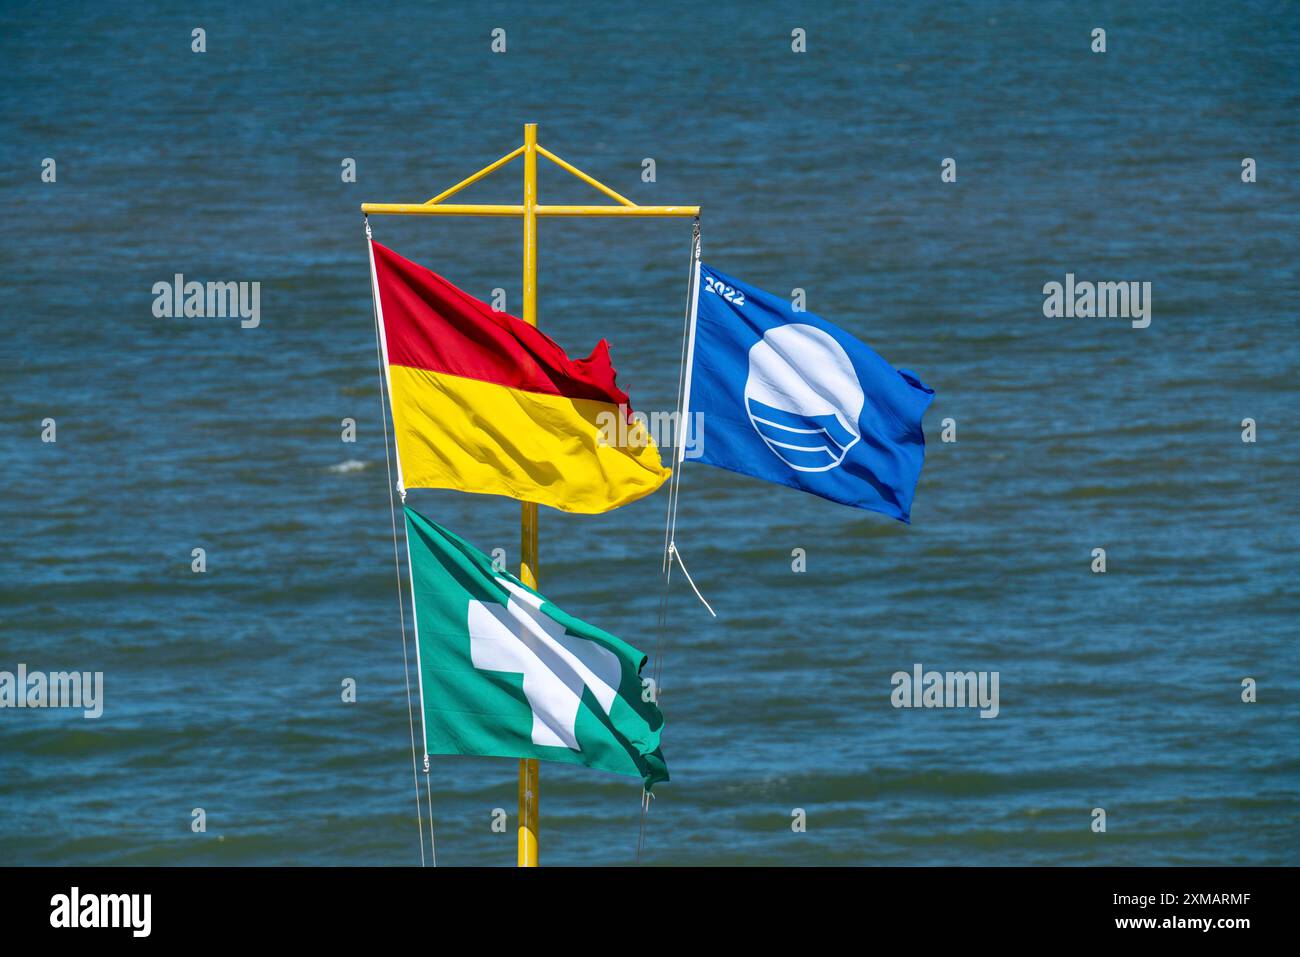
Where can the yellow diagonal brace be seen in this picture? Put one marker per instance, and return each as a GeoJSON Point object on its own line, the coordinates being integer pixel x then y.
{"type": "Point", "coordinates": [589, 180]}
{"type": "Point", "coordinates": [471, 180]}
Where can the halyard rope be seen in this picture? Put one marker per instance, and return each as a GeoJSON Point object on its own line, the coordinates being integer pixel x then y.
{"type": "Point", "coordinates": [670, 522]}
{"type": "Point", "coordinates": [401, 605]}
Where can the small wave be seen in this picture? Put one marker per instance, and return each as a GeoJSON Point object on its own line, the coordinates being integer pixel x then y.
{"type": "Point", "coordinates": [351, 465]}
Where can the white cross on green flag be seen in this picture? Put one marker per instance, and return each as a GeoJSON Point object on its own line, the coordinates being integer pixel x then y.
{"type": "Point", "coordinates": [506, 673]}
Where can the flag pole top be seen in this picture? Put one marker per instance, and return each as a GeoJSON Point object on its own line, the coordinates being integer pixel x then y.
{"type": "Point", "coordinates": [436, 206]}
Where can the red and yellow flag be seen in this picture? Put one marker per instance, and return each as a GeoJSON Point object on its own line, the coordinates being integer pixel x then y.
{"type": "Point", "coordinates": [484, 402]}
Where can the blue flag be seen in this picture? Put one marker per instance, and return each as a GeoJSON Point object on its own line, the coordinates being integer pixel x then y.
{"type": "Point", "coordinates": [788, 397]}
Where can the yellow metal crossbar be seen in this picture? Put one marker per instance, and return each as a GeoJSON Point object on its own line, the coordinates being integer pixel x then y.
{"type": "Point", "coordinates": [529, 210]}
{"type": "Point", "coordinates": [442, 209]}
{"type": "Point", "coordinates": [436, 206]}
{"type": "Point", "coordinates": [485, 209]}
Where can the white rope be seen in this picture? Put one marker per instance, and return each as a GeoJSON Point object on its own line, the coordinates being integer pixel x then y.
{"type": "Point", "coordinates": [397, 569]}
{"type": "Point", "coordinates": [676, 478]}
{"type": "Point", "coordinates": [675, 481]}
{"type": "Point", "coordinates": [674, 486]}
{"type": "Point", "coordinates": [428, 788]}
{"type": "Point", "coordinates": [677, 553]}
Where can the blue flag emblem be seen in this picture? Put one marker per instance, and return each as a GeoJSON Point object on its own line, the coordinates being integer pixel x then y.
{"type": "Point", "coordinates": [788, 397]}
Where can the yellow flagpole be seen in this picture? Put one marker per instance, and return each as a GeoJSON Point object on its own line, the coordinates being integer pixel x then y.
{"type": "Point", "coordinates": [530, 210]}
{"type": "Point", "coordinates": [528, 770]}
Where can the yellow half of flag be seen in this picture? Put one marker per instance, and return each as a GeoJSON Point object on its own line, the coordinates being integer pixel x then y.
{"type": "Point", "coordinates": [476, 436]}
{"type": "Point", "coordinates": [484, 402]}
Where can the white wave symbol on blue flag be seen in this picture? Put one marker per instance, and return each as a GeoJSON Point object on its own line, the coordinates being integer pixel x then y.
{"type": "Point", "coordinates": [809, 443]}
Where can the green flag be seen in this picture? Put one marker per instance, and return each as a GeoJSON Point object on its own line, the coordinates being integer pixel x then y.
{"type": "Point", "coordinates": [505, 673]}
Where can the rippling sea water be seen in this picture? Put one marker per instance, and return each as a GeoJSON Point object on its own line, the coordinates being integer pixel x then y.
{"type": "Point", "coordinates": [818, 171]}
